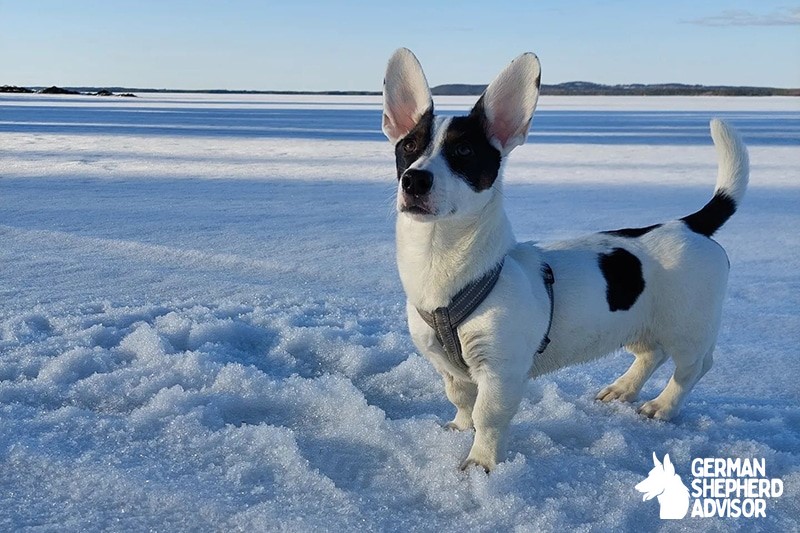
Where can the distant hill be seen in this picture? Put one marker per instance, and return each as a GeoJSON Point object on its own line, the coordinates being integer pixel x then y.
{"type": "Point", "coordinates": [586, 88]}
{"type": "Point", "coordinates": [571, 88]}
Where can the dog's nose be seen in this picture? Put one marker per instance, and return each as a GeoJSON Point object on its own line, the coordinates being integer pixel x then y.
{"type": "Point", "coordinates": [417, 182]}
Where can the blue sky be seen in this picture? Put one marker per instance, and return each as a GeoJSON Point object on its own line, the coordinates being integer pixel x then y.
{"type": "Point", "coordinates": [314, 45]}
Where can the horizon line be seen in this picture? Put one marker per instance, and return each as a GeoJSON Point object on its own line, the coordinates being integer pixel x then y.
{"type": "Point", "coordinates": [368, 92]}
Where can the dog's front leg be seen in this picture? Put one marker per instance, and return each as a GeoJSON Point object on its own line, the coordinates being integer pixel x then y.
{"type": "Point", "coordinates": [497, 402]}
{"type": "Point", "coordinates": [462, 394]}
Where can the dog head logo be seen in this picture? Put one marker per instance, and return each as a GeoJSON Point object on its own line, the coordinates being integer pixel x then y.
{"type": "Point", "coordinates": [662, 482]}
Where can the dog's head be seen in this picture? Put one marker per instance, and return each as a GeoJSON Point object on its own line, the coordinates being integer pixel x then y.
{"type": "Point", "coordinates": [657, 479]}
{"type": "Point", "coordinates": [447, 166]}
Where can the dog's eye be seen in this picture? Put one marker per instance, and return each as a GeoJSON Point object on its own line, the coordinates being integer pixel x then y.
{"type": "Point", "coordinates": [409, 146]}
{"type": "Point", "coordinates": [463, 150]}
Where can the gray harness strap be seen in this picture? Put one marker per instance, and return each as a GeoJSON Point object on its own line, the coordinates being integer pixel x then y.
{"type": "Point", "coordinates": [549, 279]}
{"type": "Point", "coordinates": [445, 320]}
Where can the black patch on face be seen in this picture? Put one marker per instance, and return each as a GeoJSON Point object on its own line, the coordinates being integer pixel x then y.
{"type": "Point", "coordinates": [632, 233]}
{"type": "Point", "coordinates": [624, 281]}
{"type": "Point", "coordinates": [468, 152]}
{"type": "Point", "coordinates": [413, 145]}
{"type": "Point", "coordinates": [712, 216]}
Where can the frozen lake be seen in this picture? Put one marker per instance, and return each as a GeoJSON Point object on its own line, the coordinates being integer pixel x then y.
{"type": "Point", "coordinates": [357, 120]}
{"type": "Point", "coordinates": [201, 325]}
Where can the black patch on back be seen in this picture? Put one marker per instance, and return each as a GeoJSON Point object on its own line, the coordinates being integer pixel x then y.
{"type": "Point", "coordinates": [632, 233]}
{"type": "Point", "coordinates": [481, 166]}
{"type": "Point", "coordinates": [422, 135]}
{"type": "Point", "coordinates": [712, 216]}
{"type": "Point", "coordinates": [624, 281]}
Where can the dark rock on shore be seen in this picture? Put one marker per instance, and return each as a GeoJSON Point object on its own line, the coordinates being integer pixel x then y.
{"type": "Point", "coordinates": [14, 89]}
{"type": "Point", "coordinates": [106, 92]}
{"type": "Point", "coordinates": [57, 90]}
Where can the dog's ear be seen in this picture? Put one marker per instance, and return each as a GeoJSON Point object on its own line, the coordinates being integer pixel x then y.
{"type": "Point", "coordinates": [406, 96]}
{"type": "Point", "coordinates": [656, 462]}
{"type": "Point", "coordinates": [508, 103]}
{"type": "Point", "coordinates": [669, 468]}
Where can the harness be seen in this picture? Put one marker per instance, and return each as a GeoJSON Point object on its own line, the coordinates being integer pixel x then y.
{"type": "Point", "coordinates": [445, 320]}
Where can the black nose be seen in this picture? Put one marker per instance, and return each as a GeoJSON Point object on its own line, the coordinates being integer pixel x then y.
{"type": "Point", "coordinates": [417, 182]}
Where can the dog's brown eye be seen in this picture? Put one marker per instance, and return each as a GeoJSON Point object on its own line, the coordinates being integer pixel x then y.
{"type": "Point", "coordinates": [409, 146]}
{"type": "Point", "coordinates": [463, 150]}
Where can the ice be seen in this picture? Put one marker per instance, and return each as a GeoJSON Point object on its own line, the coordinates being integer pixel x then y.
{"type": "Point", "coordinates": [202, 328]}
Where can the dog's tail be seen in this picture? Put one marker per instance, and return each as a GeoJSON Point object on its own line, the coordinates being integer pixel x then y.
{"type": "Point", "coordinates": [732, 178]}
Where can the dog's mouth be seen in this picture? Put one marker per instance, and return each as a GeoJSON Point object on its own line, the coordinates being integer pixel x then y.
{"type": "Point", "coordinates": [415, 210]}
{"type": "Point", "coordinates": [417, 207]}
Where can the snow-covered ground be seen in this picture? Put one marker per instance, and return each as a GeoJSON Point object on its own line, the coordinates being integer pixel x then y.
{"type": "Point", "coordinates": [201, 325]}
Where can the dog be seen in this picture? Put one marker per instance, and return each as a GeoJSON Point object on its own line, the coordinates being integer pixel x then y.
{"type": "Point", "coordinates": [663, 482]}
{"type": "Point", "coordinates": [656, 290]}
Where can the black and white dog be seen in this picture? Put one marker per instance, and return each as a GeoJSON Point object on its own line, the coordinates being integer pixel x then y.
{"type": "Point", "coordinates": [657, 291]}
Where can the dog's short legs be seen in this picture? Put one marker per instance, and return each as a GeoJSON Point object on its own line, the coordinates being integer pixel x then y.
{"type": "Point", "coordinates": [627, 387]}
{"type": "Point", "coordinates": [497, 402]}
{"type": "Point", "coordinates": [687, 373]}
{"type": "Point", "coordinates": [462, 394]}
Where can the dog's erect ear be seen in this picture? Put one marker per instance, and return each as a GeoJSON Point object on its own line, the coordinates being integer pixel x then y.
{"type": "Point", "coordinates": [656, 462]}
{"type": "Point", "coordinates": [509, 101]}
{"type": "Point", "coordinates": [669, 468]}
{"type": "Point", "coordinates": [406, 96]}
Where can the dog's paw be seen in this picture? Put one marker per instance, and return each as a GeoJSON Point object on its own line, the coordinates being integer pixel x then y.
{"type": "Point", "coordinates": [616, 391]}
{"type": "Point", "coordinates": [458, 425]}
{"type": "Point", "coordinates": [657, 409]}
{"type": "Point", "coordinates": [470, 462]}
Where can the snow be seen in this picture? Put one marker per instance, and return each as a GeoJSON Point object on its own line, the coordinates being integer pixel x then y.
{"type": "Point", "coordinates": [201, 325]}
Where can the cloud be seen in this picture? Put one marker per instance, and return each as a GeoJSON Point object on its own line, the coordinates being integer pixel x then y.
{"type": "Point", "coordinates": [740, 17]}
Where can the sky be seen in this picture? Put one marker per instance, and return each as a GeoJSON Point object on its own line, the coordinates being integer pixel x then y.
{"type": "Point", "coordinates": [344, 45]}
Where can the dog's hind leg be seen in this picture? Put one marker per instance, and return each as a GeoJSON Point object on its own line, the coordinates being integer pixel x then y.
{"type": "Point", "coordinates": [688, 372]}
{"type": "Point", "coordinates": [627, 387]}
{"type": "Point", "coordinates": [462, 394]}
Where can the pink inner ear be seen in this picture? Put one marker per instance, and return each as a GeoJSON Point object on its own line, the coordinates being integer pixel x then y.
{"type": "Point", "coordinates": [503, 129]}
{"type": "Point", "coordinates": [505, 116]}
{"type": "Point", "coordinates": [402, 113]}
{"type": "Point", "coordinates": [406, 120]}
